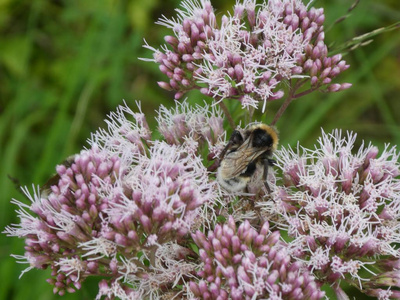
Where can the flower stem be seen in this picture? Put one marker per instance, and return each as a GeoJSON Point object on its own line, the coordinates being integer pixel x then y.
{"type": "Point", "coordinates": [282, 109]}
{"type": "Point", "coordinates": [250, 114]}
{"type": "Point", "coordinates": [290, 98]}
{"type": "Point", "coordinates": [227, 114]}
{"type": "Point", "coordinates": [304, 93]}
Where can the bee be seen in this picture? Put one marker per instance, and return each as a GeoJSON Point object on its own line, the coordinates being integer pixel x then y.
{"type": "Point", "coordinates": [53, 180]}
{"type": "Point", "coordinates": [46, 187]}
{"type": "Point", "coordinates": [245, 152]}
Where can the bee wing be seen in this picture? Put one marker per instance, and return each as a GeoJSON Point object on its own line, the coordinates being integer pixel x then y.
{"type": "Point", "coordinates": [236, 162]}
{"type": "Point", "coordinates": [53, 180]}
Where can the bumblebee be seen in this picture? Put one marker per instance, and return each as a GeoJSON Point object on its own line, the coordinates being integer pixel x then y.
{"type": "Point", "coordinates": [246, 151]}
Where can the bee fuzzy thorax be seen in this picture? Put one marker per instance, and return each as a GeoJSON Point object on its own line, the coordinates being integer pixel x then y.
{"type": "Point", "coordinates": [266, 132]}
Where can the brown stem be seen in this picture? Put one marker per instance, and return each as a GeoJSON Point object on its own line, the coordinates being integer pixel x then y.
{"type": "Point", "coordinates": [152, 255]}
{"type": "Point", "coordinates": [289, 99]}
{"type": "Point", "coordinates": [282, 109]}
{"type": "Point", "coordinates": [304, 93]}
{"type": "Point", "coordinates": [227, 114]}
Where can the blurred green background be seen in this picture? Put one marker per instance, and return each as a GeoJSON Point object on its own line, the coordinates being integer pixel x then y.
{"type": "Point", "coordinates": [64, 65]}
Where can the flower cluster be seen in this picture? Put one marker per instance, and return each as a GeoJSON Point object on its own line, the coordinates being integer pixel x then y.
{"type": "Point", "coordinates": [147, 215]}
{"type": "Point", "coordinates": [119, 209]}
{"type": "Point", "coordinates": [203, 124]}
{"type": "Point", "coordinates": [241, 263]}
{"type": "Point", "coordinates": [342, 211]}
{"type": "Point", "coordinates": [249, 53]}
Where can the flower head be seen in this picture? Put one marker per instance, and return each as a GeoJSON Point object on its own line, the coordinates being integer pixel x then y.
{"type": "Point", "coordinates": [122, 207]}
{"type": "Point", "coordinates": [249, 53]}
{"type": "Point", "coordinates": [341, 209]}
{"type": "Point", "coordinates": [241, 262]}
{"type": "Point", "coordinates": [203, 124]}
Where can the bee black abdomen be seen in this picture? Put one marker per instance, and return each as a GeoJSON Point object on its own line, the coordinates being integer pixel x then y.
{"type": "Point", "coordinates": [251, 168]}
{"type": "Point", "coordinates": [261, 138]}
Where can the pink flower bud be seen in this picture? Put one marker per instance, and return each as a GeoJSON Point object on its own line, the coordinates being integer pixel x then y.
{"type": "Point", "coordinates": [325, 72]}
{"type": "Point", "coordinates": [334, 87]}
{"type": "Point", "coordinates": [182, 48]}
{"type": "Point", "coordinates": [336, 58]}
{"type": "Point", "coordinates": [345, 86]}
{"type": "Point", "coordinates": [327, 80]}
{"type": "Point", "coordinates": [194, 33]}
{"type": "Point", "coordinates": [164, 69]}
{"type": "Point", "coordinates": [314, 80]}
{"type": "Point", "coordinates": [164, 85]}
{"type": "Point", "coordinates": [174, 84]}
{"type": "Point", "coordinates": [305, 23]}
{"type": "Point", "coordinates": [173, 41]}
{"type": "Point", "coordinates": [320, 20]}
{"type": "Point", "coordinates": [177, 78]}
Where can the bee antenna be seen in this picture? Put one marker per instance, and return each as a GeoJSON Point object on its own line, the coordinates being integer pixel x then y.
{"type": "Point", "coordinates": [17, 184]}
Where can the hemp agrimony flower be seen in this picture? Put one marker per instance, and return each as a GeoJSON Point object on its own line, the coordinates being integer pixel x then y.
{"type": "Point", "coordinates": [204, 124]}
{"type": "Point", "coordinates": [149, 219]}
{"type": "Point", "coordinates": [341, 210]}
{"type": "Point", "coordinates": [120, 210]}
{"type": "Point", "coordinates": [243, 263]}
{"type": "Point", "coordinates": [249, 53]}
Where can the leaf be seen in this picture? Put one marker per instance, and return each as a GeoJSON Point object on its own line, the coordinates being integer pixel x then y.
{"type": "Point", "coordinates": [362, 40]}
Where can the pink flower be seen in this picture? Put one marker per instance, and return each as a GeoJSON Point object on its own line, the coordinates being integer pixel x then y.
{"type": "Point", "coordinates": [247, 55]}
{"type": "Point", "coordinates": [122, 208]}
{"type": "Point", "coordinates": [341, 206]}
{"type": "Point", "coordinates": [241, 262]}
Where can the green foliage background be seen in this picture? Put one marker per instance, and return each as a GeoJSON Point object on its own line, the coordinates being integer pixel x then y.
{"type": "Point", "coordinates": [64, 65]}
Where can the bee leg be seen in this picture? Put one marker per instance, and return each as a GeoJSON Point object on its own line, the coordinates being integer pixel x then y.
{"type": "Point", "coordinates": [267, 162]}
{"type": "Point", "coordinates": [235, 139]}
